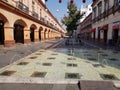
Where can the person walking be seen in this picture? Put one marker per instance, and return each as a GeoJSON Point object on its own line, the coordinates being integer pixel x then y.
{"type": "Point", "coordinates": [78, 84]}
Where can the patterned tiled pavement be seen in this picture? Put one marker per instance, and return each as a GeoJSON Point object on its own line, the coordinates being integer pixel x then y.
{"type": "Point", "coordinates": [61, 69]}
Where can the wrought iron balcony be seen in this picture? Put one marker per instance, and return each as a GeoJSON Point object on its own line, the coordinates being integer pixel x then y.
{"type": "Point", "coordinates": [42, 19]}
{"type": "Point", "coordinates": [105, 14]}
{"type": "Point", "coordinates": [5, 0]}
{"type": "Point", "coordinates": [34, 14]}
{"type": "Point", "coordinates": [116, 8]}
{"type": "Point", "coordinates": [94, 20]}
{"type": "Point", "coordinates": [51, 24]}
{"type": "Point", "coordinates": [110, 11]}
{"type": "Point", "coordinates": [23, 7]}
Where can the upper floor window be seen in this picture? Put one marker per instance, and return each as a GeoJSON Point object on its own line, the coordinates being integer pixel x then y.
{"type": "Point", "coordinates": [116, 2]}
{"type": "Point", "coordinates": [94, 12]}
{"type": "Point", "coordinates": [40, 13]}
{"type": "Point", "coordinates": [21, 0]}
{"type": "Point", "coordinates": [99, 8]}
{"type": "Point", "coordinates": [33, 6]}
{"type": "Point", "coordinates": [106, 5]}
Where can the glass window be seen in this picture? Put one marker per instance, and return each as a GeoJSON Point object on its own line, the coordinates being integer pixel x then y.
{"type": "Point", "coordinates": [106, 5]}
{"type": "Point", "coordinates": [99, 8]}
{"type": "Point", "coordinates": [94, 12]}
{"type": "Point", "coordinates": [33, 6]}
{"type": "Point", "coordinates": [116, 2]}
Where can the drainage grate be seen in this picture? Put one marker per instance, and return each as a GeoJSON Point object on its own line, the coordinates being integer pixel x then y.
{"type": "Point", "coordinates": [47, 64]}
{"type": "Point", "coordinates": [108, 77]}
{"type": "Point", "coordinates": [100, 52]}
{"type": "Point", "coordinates": [71, 58]}
{"type": "Point", "coordinates": [87, 55]}
{"type": "Point", "coordinates": [34, 57]}
{"type": "Point", "coordinates": [22, 63]}
{"type": "Point", "coordinates": [84, 52]}
{"type": "Point", "coordinates": [72, 76]}
{"type": "Point", "coordinates": [71, 65]}
{"type": "Point", "coordinates": [113, 59]}
{"type": "Point", "coordinates": [87, 61]}
{"type": "Point", "coordinates": [98, 65]}
{"type": "Point", "coordinates": [70, 54]}
{"type": "Point", "coordinates": [74, 65]}
{"type": "Point", "coordinates": [41, 51]}
{"type": "Point", "coordinates": [116, 52]}
{"type": "Point", "coordinates": [38, 53]}
{"type": "Point", "coordinates": [7, 73]}
{"type": "Point", "coordinates": [93, 59]}
{"type": "Point", "coordinates": [104, 55]}
{"type": "Point", "coordinates": [54, 54]}
{"type": "Point", "coordinates": [39, 74]}
{"type": "Point", "coordinates": [51, 58]}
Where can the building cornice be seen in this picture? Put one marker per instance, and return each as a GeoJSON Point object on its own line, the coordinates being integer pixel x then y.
{"type": "Point", "coordinates": [40, 1]}
{"type": "Point", "coordinates": [10, 8]}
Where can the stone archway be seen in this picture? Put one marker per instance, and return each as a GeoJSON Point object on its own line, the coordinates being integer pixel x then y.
{"type": "Point", "coordinates": [32, 32]}
{"type": "Point", "coordinates": [19, 26]}
{"type": "Point", "coordinates": [3, 21]}
{"type": "Point", "coordinates": [1, 32]}
{"type": "Point", "coordinates": [49, 34]}
{"type": "Point", "coordinates": [45, 35]}
{"type": "Point", "coordinates": [40, 34]}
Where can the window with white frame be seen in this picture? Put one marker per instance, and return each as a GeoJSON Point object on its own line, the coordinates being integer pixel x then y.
{"type": "Point", "coordinates": [106, 5]}
{"type": "Point", "coordinates": [94, 12]}
{"type": "Point", "coordinates": [99, 8]}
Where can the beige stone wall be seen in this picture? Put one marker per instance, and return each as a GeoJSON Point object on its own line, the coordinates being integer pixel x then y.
{"type": "Point", "coordinates": [108, 20]}
{"type": "Point", "coordinates": [10, 17]}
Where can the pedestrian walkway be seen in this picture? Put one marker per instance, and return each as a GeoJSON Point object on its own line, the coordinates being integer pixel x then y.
{"type": "Point", "coordinates": [101, 46]}
{"type": "Point", "coordinates": [61, 69]}
{"type": "Point", "coordinates": [67, 64]}
{"type": "Point", "coordinates": [9, 55]}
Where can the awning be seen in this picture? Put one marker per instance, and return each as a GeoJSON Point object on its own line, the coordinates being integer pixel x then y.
{"type": "Point", "coordinates": [104, 27]}
{"type": "Point", "coordinates": [93, 30]}
{"type": "Point", "coordinates": [117, 26]}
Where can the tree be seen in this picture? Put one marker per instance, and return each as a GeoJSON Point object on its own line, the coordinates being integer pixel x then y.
{"type": "Point", "coordinates": [71, 20]}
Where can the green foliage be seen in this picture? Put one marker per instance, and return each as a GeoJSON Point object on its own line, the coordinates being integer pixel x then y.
{"type": "Point", "coordinates": [71, 20]}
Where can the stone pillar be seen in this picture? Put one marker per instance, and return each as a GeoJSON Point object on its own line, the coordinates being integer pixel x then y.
{"type": "Point", "coordinates": [36, 35]}
{"type": "Point", "coordinates": [47, 37]}
{"type": "Point", "coordinates": [9, 37]}
{"type": "Point", "coordinates": [42, 35]}
{"type": "Point", "coordinates": [26, 36]}
{"type": "Point", "coordinates": [49, 34]}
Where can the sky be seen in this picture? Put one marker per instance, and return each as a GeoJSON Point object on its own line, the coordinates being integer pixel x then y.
{"type": "Point", "coordinates": [60, 9]}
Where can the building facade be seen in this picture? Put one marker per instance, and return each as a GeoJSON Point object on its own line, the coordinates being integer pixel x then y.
{"type": "Point", "coordinates": [106, 21]}
{"type": "Point", "coordinates": [85, 11]}
{"type": "Point", "coordinates": [25, 21]}
{"type": "Point", "coordinates": [86, 26]}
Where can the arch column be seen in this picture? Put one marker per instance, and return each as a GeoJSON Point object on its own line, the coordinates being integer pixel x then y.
{"type": "Point", "coordinates": [36, 35]}
{"type": "Point", "coordinates": [50, 34]}
{"type": "Point", "coordinates": [26, 36]}
{"type": "Point", "coordinates": [42, 35]}
{"type": "Point", "coordinates": [53, 35]}
{"type": "Point", "coordinates": [47, 33]}
{"type": "Point", "coordinates": [9, 37]}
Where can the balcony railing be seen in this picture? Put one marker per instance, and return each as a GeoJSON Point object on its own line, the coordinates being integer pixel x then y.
{"type": "Point", "coordinates": [5, 0]}
{"type": "Point", "coordinates": [34, 14]}
{"type": "Point", "coordinates": [42, 19]}
{"type": "Point", "coordinates": [116, 8]}
{"type": "Point", "coordinates": [23, 7]}
{"type": "Point", "coordinates": [110, 11]}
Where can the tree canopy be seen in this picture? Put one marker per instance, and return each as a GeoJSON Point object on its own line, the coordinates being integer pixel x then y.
{"type": "Point", "coordinates": [70, 21]}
